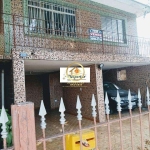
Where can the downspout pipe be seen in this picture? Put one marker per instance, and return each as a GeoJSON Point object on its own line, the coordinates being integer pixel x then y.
{"type": "Point", "coordinates": [2, 86]}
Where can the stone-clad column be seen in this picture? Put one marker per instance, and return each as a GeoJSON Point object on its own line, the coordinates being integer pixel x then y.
{"type": "Point", "coordinates": [100, 93]}
{"type": "Point", "coordinates": [19, 81]}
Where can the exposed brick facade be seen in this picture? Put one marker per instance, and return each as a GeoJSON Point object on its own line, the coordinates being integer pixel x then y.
{"type": "Point", "coordinates": [137, 77]}
{"type": "Point", "coordinates": [34, 89]}
{"type": "Point", "coordinates": [85, 93]}
{"type": "Point", "coordinates": [85, 19]}
{"type": "Point", "coordinates": [43, 47]}
{"type": "Point", "coordinates": [56, 90]}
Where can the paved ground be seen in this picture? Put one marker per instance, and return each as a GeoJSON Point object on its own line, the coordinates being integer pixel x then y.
{"type": "Point", "coordinates": [54, 127]}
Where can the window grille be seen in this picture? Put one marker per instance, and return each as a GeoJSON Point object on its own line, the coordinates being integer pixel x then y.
{"type": "Point", "coordinates": [113, 29]}
{"type": "Point", "coordinates": [51, 18]}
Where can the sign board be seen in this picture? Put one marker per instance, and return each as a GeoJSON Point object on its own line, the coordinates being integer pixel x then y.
{"type": "Point", "coordinates": [121, 75]}
{"type": "Point", "coordinates": [75, 73]}
{"type": "Point", "coordinates": [96, 35]}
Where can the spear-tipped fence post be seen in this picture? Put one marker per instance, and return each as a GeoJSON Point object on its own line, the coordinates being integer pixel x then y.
{"type": "Point", "coordinates": [140, 117]}
{"type": "Point", "coordinates": [62, 120]}
{"type": "Point", "coordinates": [118, 102]}
{"type": "Point", "coordinates": [42, 113]}
{"type": "Point", "coordinates": [120, 122]}
{"type": "Point", "coordinates": [3, 121]}
{"type": "Point", "coordinates": [131, 122]}
{"type": "Point", "coordinates": [129, 99]}
{"type": "Point", "coordinates": [79, 117]}
{"type": "Point", "coordinates": [139, 100]}
{"type": "Point", "coordinates": [147, 96]}
{"type": "Point", "coordinates": [107, 110]}
{"type": "Point", "coordinates": [94, 114]}
{"type": "Point", "coordinates": [148, 104]}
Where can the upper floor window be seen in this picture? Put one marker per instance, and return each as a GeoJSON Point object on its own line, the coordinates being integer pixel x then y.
{"type": "Point", "coordinates": [51, 18]}
{"type": "Point", "coordinates": [113, 29]}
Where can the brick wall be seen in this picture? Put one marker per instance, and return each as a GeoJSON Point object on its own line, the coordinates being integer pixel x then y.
{"type": "Point", "coordinates": [85, 94]}
{"type": "Point", "coordinates": [61, 49]}
{"type": "Point", "coordinates": [56, 90]}
{"type": "Point", "coordinates": [85, 19]}
{"type": "Point", "coordinates": [34, 93]}
{"type": "Point", "coordinates": [34, 89]}
{"type": "Point", "coordinates": [137, 77]}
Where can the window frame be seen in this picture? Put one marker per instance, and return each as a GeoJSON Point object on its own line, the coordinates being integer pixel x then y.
{"type": "Point", "coordinates": [124, 22]}
{"type": "Point", "coordinates": [26, 19]}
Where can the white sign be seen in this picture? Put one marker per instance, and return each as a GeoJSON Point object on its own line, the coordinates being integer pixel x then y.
{"type": "Point", "coordinates": [96, 35]}
{"type": "Point", "coordinates": [75, 74]}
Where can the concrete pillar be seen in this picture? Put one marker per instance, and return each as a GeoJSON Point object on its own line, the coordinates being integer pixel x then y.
{"type": "Point", "coordinates": [23, 124]}
{"type": "Point", "coordinates": [19, 81]}
{"type": "Point", "coordinates": [100, 94]}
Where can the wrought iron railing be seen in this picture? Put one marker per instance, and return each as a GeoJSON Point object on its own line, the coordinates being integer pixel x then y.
{"type": "Point", "coordinates": [19, 32]}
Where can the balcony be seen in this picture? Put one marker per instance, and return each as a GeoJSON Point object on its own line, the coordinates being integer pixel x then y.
{"type": "Point", "coordinates": [17, 32]}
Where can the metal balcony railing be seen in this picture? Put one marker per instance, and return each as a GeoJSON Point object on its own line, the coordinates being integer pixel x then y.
{"type": "Point", "coordinates": [22, 32]}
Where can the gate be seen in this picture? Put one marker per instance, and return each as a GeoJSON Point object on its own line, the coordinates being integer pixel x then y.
{"type": "Point", "coordinates": [137, 125]}
{"type": "Point", "coordinates": [127, 132]}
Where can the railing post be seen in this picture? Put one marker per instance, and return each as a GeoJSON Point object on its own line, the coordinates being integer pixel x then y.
{"type": "Point", "coordinates": [120, 122]}
{"type": "Point", "coordinates": [94, 114]}
{"type": "Point", "coordinates": [140, 117]}
{"type": "Point", "coordinates": [42, 113]}
{"type": "Point", "coordinates": [79, 116]}
{"type": "Point", "coordinates": [148, 104]}
{"type": "Point", "coordinates": [107, 114]}
{"type": "Point", "coordinates": [62, 120]}
{"type": "Point", "coordinates": [131, 121]}
{"type": "Point", "coordinates": [23, 126]}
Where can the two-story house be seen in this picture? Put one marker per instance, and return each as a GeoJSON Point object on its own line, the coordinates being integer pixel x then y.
{"type": "Point", "coordinates": [40, 36]}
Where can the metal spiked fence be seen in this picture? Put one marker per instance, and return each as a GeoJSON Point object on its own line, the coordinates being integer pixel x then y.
{"type": "Point", "coordinates": [96, 125]}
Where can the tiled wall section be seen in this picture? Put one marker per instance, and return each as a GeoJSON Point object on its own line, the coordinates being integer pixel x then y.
{"type": "Point", "coordinates": [85, 94]}
{"type": "Point", "coordinates": [137, 77]}
{"type": "Point", "coordinates": [34, 89]}
{"type": "Point", "coordinates": [56, 91]}
{"type": "Point", "coordinates": [19, 81]}
{"type": "Point", "coordinates": [86, 56]}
